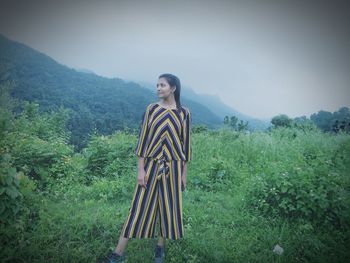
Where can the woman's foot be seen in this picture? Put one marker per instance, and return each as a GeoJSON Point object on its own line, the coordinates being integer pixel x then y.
{"type": "Point", "coordinates": [159, 254]}
{"type": "Point", "coordinates": [113, 257]}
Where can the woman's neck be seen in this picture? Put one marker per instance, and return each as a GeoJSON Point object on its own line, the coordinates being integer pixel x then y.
{"type": "Point", "coordinates": [167, 103]}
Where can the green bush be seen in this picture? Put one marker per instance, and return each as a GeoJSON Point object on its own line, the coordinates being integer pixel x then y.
{"type": "Point", "coordinates": [199, 128]}
{"type": "Point", "coordinates": [34, 156]}
{"type": "Point", "coordinates": [10, 196]}
{"type": "Point", "coordinates": [15, 189]}
{"type": "Point", "coordinates": [36, 142]}
{"type": "Point", "coordinates": [301, 194]}
{"type": "Point", "coordinates": [312, 184]}
{"type": "Point", "coordinates": [215, 177]}
{"type": "Point", "coordinates": [111, 156]}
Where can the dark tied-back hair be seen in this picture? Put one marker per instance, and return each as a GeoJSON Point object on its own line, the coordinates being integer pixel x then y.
{"type": "Point", "coordinates": [174, 81]}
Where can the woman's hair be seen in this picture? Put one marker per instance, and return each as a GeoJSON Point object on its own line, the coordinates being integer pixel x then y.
{"type": "Point", "coordinates": [174, 81]}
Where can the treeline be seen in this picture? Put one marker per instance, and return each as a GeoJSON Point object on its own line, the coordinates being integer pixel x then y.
{"type": "Point", "coordinates": [338, 121]}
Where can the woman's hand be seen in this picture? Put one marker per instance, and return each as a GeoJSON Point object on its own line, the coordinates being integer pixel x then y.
{"type": "Point", "coordinates": [183, 176]}
{"type": "Point", "coordinates": [141, 178]}
{"type": "Point", "coordinates": [183, 179]}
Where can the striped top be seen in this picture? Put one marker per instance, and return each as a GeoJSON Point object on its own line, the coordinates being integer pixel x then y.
{"type": "Point", "coordinates": [165, 132]}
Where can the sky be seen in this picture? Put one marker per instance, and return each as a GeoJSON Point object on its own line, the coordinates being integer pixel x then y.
{"type": "Point", "coordinates": [262, 58]}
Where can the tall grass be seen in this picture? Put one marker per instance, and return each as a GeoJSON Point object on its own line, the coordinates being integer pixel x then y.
{"type": "Point", "coordinates": [245, 194]}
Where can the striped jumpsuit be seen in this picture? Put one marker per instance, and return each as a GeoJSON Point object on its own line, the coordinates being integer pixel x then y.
{"type": "Point", "coordinates": [165, 142]}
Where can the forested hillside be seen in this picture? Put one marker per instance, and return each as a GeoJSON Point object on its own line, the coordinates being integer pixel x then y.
{"type": "Point", "coordinates": [96, 104]}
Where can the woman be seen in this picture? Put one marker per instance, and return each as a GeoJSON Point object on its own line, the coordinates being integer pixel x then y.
{"type": "Point", "coordinates": [163, 149]}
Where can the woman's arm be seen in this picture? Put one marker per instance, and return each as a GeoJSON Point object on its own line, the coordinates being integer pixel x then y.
{"type": "Point", "coordinates": [143, 134]}
{"type": "Point", "coordinates": [186, 136]}
{"type": "Point", "coordinates": [141, 173]}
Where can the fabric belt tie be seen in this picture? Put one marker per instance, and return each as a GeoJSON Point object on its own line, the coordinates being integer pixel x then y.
{"type": "Point", "coordinates": [164, 168]}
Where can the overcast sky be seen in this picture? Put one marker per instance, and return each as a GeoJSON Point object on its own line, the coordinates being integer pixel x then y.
{"type": "Point", "coordinates": [263, 58]}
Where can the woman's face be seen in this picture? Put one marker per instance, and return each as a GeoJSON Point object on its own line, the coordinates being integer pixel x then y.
{"type": "Point", "coordinates": [163, 89]}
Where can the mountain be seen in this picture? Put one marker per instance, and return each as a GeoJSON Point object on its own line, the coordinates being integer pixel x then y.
{"type": "Point", "coordinates": [84, 70]}
{"type": "Point", "coordinates": [96, 103]}
{"type": "Point", "coordinates": [215, 105]}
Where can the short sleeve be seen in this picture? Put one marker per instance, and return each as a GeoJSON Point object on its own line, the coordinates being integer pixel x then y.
{"type": "Point", "coordinates": [187, 140]}
{"type": "Point", "coordinates": [143, 134]}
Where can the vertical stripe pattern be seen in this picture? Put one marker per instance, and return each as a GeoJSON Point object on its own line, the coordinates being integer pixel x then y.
{"type": "Point", "coordinates": [162, 199]}
{"type": "Point", "coordinates": [165, 142]}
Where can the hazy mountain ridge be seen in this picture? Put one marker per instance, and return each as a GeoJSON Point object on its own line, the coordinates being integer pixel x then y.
{"type": "Point", "coordinates": [215, 104]}
{"type": "Point", "coordinates": [97, 103]}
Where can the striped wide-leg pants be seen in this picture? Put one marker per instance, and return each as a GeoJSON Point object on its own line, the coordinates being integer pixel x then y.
{"type": "Point", "coordinates": [162, 198]}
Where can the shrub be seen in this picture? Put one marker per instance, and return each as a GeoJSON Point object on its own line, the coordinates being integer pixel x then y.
{"type": "Point", "coordinates": [110, 156]}
{"type": "Point", "coordinates": [10, 196]}
{"type": "Point", "coordinates": [311, 184]}
{"type": "Point", "coordinates": [14, 187]}
{"type": "Point", "coordinates": [34, 156]}
{"type": "Point", "coordinates": [301, 194]}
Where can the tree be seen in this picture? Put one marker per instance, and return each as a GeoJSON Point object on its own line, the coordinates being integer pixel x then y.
{"type": "Point", "coordinates": [323, 120]}
{"type": "Point", "coordinates": [336, 121]}
{"type": "Point", "coordinates": [242, 126]}
{"type": "Point", "coordinates": [304, 123]}
{"type": "Point", "coordinates": [281, 120]}
{"type": "Point", "coordinates": [232, 123]}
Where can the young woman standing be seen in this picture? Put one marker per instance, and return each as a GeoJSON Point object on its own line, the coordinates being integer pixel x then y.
{"type": "Point", "coordinates": [163, 150]}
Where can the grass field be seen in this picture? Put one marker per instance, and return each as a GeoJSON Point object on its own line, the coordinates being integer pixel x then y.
{"type": "Point", "coordinates": [246, 193]}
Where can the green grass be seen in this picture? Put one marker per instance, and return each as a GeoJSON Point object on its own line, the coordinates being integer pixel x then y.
{"type": "Point", "coordinates": [74, 222]}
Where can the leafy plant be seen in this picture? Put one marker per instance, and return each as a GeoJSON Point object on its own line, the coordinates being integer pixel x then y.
{"type": "Point", "coordinates": [10, 196]}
